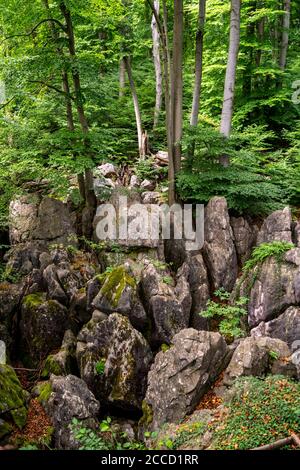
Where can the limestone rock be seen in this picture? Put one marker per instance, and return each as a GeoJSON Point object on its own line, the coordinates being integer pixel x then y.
{"type": "Point", "coordinates": [244, 237]}
{"type": "Point", "coordinates": [259, 356]}
{"type": "Point", "coordinates": [114, 360]}
{"type": "Point", "coordinates": [180, 376]}
{"type": "Point", "coordinates": [276, 227]}
{"type": "Point", "coordinates": [168, 304]}
{"type": "Point", "coordinates": [70, 398]}
{"type": "Point", "coordinates": [219, 250]}
{"type": "Point", "coordinates": [118, 293]}
{"type": "Point", "coordinates": [43, 324]}
{"type": "Point", "coordinates": [285, 327]}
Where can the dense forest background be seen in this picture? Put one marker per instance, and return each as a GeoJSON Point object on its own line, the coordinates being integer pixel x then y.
{"type": "Point", "coordinates": [64, 110]}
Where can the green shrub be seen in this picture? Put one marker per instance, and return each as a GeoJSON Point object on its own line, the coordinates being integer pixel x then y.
{"type": "Point", "coordinates": [246, 184]}
{"type": "Point", "coordinates": [100, 366]}
{"type": "Point", "coordinates": [231, 314]}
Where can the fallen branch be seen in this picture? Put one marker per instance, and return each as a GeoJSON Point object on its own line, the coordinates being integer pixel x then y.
{"type": "Point", "coordinates": [292, 439]}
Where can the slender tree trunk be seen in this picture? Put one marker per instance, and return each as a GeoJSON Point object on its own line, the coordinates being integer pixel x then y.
{"type": "Point", "coordinates": [177, 82]}
{"type": "Point", "coordinates": [122, 78]}
{"type": "Point", "coordinates": [137, 111]}
{"type": "Point", "coordinates": [90, 198]}
{"type": "Point", "coordinates": [157, 66]}
{"type": "Point", "coordinates": [260, 27]}
{"type": "Point", "coordinates": [229, 87]}
{"type": "Point", "coordinates": [198, 64]}
{"type": "Point", "coordinates": [285, 34]}
{"type": "Point", "coordinates": [163, 29]}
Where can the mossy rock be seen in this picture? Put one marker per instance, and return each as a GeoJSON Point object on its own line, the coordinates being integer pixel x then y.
{"type": "Point", "coordinates": [32, 301]}
{"type": "Point", "coordinates": [114, 284]}
{"type": "Point", "coordinates": [52, 366]}
{"type": "Point", "coordinates": [43, 391]}
{"type": "Point", "coordinates": [12, 399]}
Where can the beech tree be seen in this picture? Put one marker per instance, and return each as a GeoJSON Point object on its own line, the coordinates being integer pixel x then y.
{"type": "Point", "coordinates": [229, 86]}
{"type": "Point", "coordinates": [285, 34]}
{"type": "Point", "coordinates": [198, 63]}
{"type": "Point", "coordinates": [157, 65]}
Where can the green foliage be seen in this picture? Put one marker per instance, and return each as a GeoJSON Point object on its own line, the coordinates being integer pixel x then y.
{"type": "Point", "coordinates": [265, 251]}
{"type": "Point", "coordinates": [100, 366]}
{"type": "Point", "coordinates": [145, 169]}
{"type": "Point", "coordinates": [29, 447]}
{"type": "Point", "coordinates": [168, 280]}
{"type": "Point", "coordinates": [104, 439]}
{"type": "Point", "coordinates": [230, 313]}
{"type": "Point", "coordinates": [184, 434]}
{"type": "Point", "coordinates": [261, 412]}
{"type": "Point", "coordinates": [247, 183]}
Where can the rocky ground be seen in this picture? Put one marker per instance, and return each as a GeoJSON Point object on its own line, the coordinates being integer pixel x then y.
{"type": "Point", "coordinates": [105, 344]}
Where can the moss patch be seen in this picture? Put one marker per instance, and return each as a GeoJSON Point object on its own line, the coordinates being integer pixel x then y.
{"type": "Point", "coordinates": [51, 366]}
{"type": "Point", "coordinates": [12, 396]}
{"type": "Point", "coordinates": [147, 417]}
{"type": "Point", "coordinates": [114, 284]}
{"type": "Point", "coordinates": [33, 301]}
{"type": "Point", "coordinates": [45, 391]}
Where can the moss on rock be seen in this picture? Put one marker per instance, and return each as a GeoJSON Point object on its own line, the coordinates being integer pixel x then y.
{"type": "Point", "coordinates": [12, 398]}
{"type": "Point", "coordinates": [114, 284]}
{"type": "Point", "coordinates": [33, 301]}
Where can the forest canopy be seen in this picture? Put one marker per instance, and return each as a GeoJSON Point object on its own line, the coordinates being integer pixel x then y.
{"type": "Point", "coordinates": [72, 98]}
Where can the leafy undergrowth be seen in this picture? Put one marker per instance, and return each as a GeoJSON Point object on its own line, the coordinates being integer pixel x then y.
{"type": "Point", "coordinates": [260, 412]}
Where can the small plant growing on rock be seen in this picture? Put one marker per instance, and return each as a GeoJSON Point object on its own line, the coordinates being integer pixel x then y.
{"type": "Point", "coordinates": [264, 251]}
{"type": "Point", "coordinates": [230, 314]}
{"type": "Point", "coordinates": [100, 366]}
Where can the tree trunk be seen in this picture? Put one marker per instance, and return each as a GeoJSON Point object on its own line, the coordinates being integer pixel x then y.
{"type": "Point", "coordinates": [198, 63]}
{"type": "Point", "coordinates": [229, 87]}
{"type": "Point", "coordinates": [137, 111]}
{"type": "Point", "coordinates": [122, 78]}
{"type": "Point", "coordinates": [157, 66]}
{"type": "Point", "coordinates": [90, 198]}
{"type": "Point", "coordinates": [285, 34]}
{"type": "Point", "coordinates": [177, 82]}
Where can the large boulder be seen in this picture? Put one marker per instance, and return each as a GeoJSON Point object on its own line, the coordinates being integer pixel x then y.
{"type": "Point", "coordinates": [219, 250]}
{"type": "Point", "coordinates": [272, 287]}
{"type": "Point", "coordinates": [114, 360]}
{"type": "Point", "coordinates": [125, 206]}
{"type": "Point", "coordinates": [42, 326]}
{"type": "Point", "coordinates": [13, 412]}
{"type": "Point", "coordinates": [118, 294]}
{"type": "Point", "coordinates": [180, 376]}
{"type": "Point", "coordinates": [276, 227]}
{"type": "Point", "coordinates": [45, 221]}
{"type": "Point", "coordinates": [167, 301]}
{"type": "Point", "coordinates": [286, 327]}
{"type": "Point", "coordinates": [70, 399]}
{"type": "Point", "coordinates": [259, 356]}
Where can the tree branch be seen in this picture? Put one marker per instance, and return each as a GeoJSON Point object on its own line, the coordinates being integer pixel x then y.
{"type": "Point", "coordinates": [7, 103]}
{"type": "Point", "coordinates": [52, 87]}
{"type": "Point", "coordinates": [47, 20]}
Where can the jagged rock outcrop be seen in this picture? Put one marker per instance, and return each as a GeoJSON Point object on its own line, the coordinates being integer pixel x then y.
{"type": "Point", "coordinates": [285, 327]}
{"type": "Point", "coordinates": [114, 360]}
{"type": "Point", "coordinates": [272, 287]}
{"type": "Point", "coordinates": [42, 326]}
{"type": "Point", "coordinates": [180, 376]}
{"type": "Point", "coordinates": [199, 287]}
{"type": "Point", "coordinates": [70, 398]}
{"type": "Point", "coordinates": [44, 220]}
{"type": "Point", "coordinates": [219, 250]}
{"type": "Point", "coordinates": [13, 410]}
{"type": "Point", "coordinates": [244, 237]}
{"type": "Point", "coordinates": [168, 303]}
{"type": "Point", "coordinates": [277, 226]}
{"type": "Point", "coordinates": [118, 294]}
{"type": "Point", "coordinates": [259, 356]}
